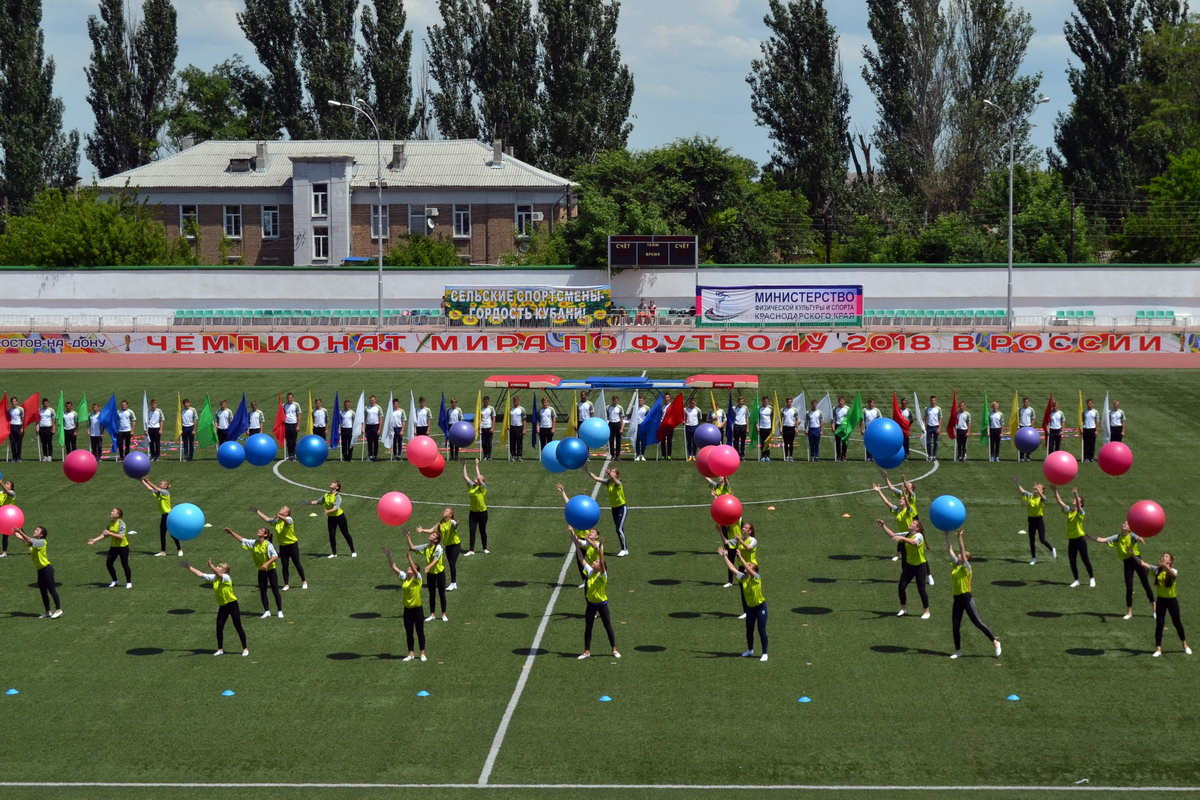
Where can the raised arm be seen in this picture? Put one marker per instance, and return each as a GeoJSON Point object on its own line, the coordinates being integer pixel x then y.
{"type": "Point", "coordinates": [1020, 488]}
{"type": "Point", "coordinates": [260, 514]}
{"type": "Point", "coordinates": [191, 569]}
{"type": "Point", "coordinates": [466, 477]}
{"type": "Point", "coordinates": [593, 475]}
{"type": "Point", "coordinates": [479, 475]}
{"type": "Point", "coordinates": [387, 551]}
{"type": "Point", "coordinates": [563, 492]}
{"type": "Point", "coordinates": [236, 536]}
{"type": "Point", "coordinates": [1061, 503]}
{"type": "Point", "coordinates": [20, 534]}
{"type": "Point", "coordinates": [150, 486]}
{"type": "Point", "coordinates": [883, 497]}
{"type": "Point", "coordinates": [723, 552]}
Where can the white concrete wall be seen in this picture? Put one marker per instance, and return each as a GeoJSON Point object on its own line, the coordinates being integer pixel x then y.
{"type": "Point", "coordinates": [1037, 291]}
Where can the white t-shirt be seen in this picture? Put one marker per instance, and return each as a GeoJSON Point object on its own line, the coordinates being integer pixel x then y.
{"type": "Point", "coordinates": [16, 416]}
{"type": "Point", "coordinates": [154, 419]}
{"type": "Point", "coordinates": [964, 421]}
{"type": "Point", "coordinates": [691, 417]}
{"type": "Point", "coordinates": [125, 418]}
{"type": "Point", "coordinates": [256, 420]}
{"type": "Point", "coordinates": [1090, 418]}
{"type": "Point", "coordinates": [585, 410]}
{"type": "Point", "coordinates": [223, 418]}
{"type": "Point", "coordinates": [812, 419]}
{"type": "Point", "coordinates": [291, 413]}
{"type": "Point", "coordinates": [614, 413]}
{"type": "Point", "coordinates": [933, 416]}
{"type": "Point", "coordinates": [546, 418]}
{"type": "Point", "coordinates": [996, 419]}
{"type": "Point", "coordinates": [1025, 416]}
{"type": "Point", "coordinates": [1116, 417]}
{"type": "Point", "coordinates": [907, 414]}
{"type": "Point", "coordinates": [347, 418]}
{"type": "Point", "coordinates": [372, 414]}
{"type": "Point", "coordinates": [45, 417]}
{"type": "Point", "coordinates": [717, 417]}
{"type": "Point", "coordinates": [516, 417]}
{"type": "Point", "coordinates": [766, 417]}
{"type": "Point", "coordinates": [839, 414]}
{"type": "Point", "coordinates": [94, 424]}
{"type": "Point", "coordinates": [320, 417]}
{"type": "Point", "coordinates": [486, 415]}
{"type": "Point", "coordinates": [187, 417]}
{"type": "Point", "coordinates": [788, 417]}
{"type": "Point", "coordinates": [454, 415]}
{"type": "Point", "coordinates": [70, 420]}
{"type": "Point", "coordinates": [1056, 421]}
{"type": "Point", "coordinates": [741, 415]}
{"type": "Point", "coordinates": [870, 415]}
{"type": "Point", "coordinates": [398, 418]}
{"type": "Point", "coordinates": [421, 417]}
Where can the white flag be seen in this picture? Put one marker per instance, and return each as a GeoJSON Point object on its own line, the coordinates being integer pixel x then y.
{"type": "Point", "coordinates": [146, 419]}
{"type": "Point", "coordinates": [918, 417]}
{"type": "Point", "coordinates": [1107, 422]}
{"type": "Point", "coordinates": [412, 416]}
{"type": "Point", "coordinates": [800, 406]}
{"type": "Point", "coordinates": [358, 418]}
{"type": "Point", "coordinates": [826, 409]}
{"type": "Point", "coordinates": [385, 422]}
{"type": "Point", "coordinates": [635, 417]}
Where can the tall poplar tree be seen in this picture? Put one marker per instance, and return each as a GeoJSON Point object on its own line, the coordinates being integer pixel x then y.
{"type": "Point", "coordinates": [325, 32]}
{"type": "Point", "coordinates": [271, 28]}
{"type": "Point", "coordinates": [387, 64]}
{"type": "Point", "coordinates": [506, 76]}
{"type": "Point", "coordinates": [453, 45]}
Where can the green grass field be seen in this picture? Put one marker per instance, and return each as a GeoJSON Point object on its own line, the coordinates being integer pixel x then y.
{"type": "Point", "coordinates": [123, 687]}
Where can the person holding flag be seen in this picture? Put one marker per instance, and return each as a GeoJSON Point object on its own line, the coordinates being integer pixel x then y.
{"type": "Point", "coordinates": [255, 419]}
{"type": "Point", "coordinates": [16, 429]}
{"type": "Point", "coordinates": [766, 425]}
{"type": "Point", "coordinates": [718, 417]}
{"type": "Point", "coordinates": [995, 428]}
{"type": "Point", "coordinates": [583, 410]}
{"type": "Point", "coordinates": [933, 428]}
{"type": "Point", "coordinates": [962, 431]}
{"type": "Point", "coordinates": [223, 418]}
{"type": "Point", "coordinates": [1089, 424]}
{"type": "Point", "coordinates": [902, 415]}
{"type": "Point", "coordinates": [741, 425]}
{"type": "Point", "coordinates": [814, 424]}
{"type": "Point", "coordinates": [421, 418]}
{"type": "Point", "coordinates": [487, 426]}
{"type": "Point", "coordinates": [788, 417]}
{"type": "Point", "coordinates": [239, 423]}
{"type": "Point", "coordinates": [372, 420]}
{"type": "Point", "coordinates": [835, 424]}
{"type": "Point", "coordinates": [851, 418]}
{"type": "Point", "coordinates": [454, 415]}
{"type": "Point", "coordinates": [1116, 422]}
{"type": "Point", "coordinates": [320, 419]}
{"type": "Point", "coordinates": [397, 420]}
{"type": "Point", "coordinates": [96, 431]}
{"type": "Point", "coordinates": [546, 419]}
{"type": "Point", "coordinates": [647, 427]}
{"type": "Point", "coordinates": [154, 423]}
{"type": "Point", "coordinates": [637, 414]}
{"type": "Point", "coordinates": [125, 420]}
{"type": "Point", "coordinates": [516, 430]}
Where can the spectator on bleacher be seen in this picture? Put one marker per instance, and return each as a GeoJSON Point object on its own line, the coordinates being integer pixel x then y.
{"type": "Point", "coordinates": [224, 417]}
{"type": "Point", "coordinates": [320, 419]}
{"type": "Point", "coordinates": [1054, 428]}
{"type": "Point", "coordinates": [642, 313]}
{"type": "Point", "coordinates": [651, 312]}
{"type": "Point", "coordinates": [933, 428]}
{"type": "Point", "coordinates": [291, 425]}
{"type": "Point", "coordinates": [1091, 421]}
{"type": "Point", "coordinates": [257, 418]}
{"type": "Point", "coordinates": [154, 423]}
{"type": "Point", "coordinates": [516, 430]}
{"type": "Point", "coordinates": [397, 419]}
{"type": "Point", "coordinates": [1116, 423]}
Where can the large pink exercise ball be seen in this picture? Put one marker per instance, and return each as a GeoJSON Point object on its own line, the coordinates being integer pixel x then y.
{"type": "Point", "coordinates": [435, 469]}
{"type": "Point", "coordinates": [394, 508]}
{"type": "Point", "coordinates": [11, 517]}
{"type": "Point", "coordinates": [79, 466]}
{"type": "Point", "coordinates": [702, 461]}
{"type": "Point", "coordinates": [1146, 518]}
{"type": "Point", "coordinates": [1115, 458]}
{"type": "Point", "coordinates": [1060, 467]}
{"type": "Point", "coordinates": [422, 451]}
{"type": "Point", "coordinates": [724, 460]}
{"type": "Point", "coordinates": [725, 510]}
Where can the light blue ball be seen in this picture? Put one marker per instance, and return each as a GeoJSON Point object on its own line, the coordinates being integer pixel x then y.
{"type": "Point", "coordinates": [230, 455]}
{"type": "Point", "coordinates": [312, 450]}
{"type": "Point", "coordinates": [947, 513]}
{"type": "Point", "coordinates": [185, 521]}
{"type": "Point", "coordinates": [550, 459]}
{"type": "Point", "coordinates": [594, 432]}
{"type": "Point", "coordinates": [582, 512]}
{"type": "Point", "coordinates": [260, 449]}
{"type": "Point", "coordinates": [572, 453]}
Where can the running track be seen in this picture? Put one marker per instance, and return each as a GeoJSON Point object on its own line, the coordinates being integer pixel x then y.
{"type": "Point", "coordinates": [539, 362]}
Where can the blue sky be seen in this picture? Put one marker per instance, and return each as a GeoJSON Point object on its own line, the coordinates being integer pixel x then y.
{"type": "Point", "coordinates": [689, 59]}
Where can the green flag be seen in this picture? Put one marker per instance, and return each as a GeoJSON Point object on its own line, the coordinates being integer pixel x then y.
{"type": "Point", "coordinates": [986, 419]}
{"type": "Point", "coordinates": [206, 426]}
{"type": "Point", "coordinates": [852, 419]}
{"type": "Point", "coordinates": [62, 439]}
{"type": "Point", "coordinates": [754, 418]}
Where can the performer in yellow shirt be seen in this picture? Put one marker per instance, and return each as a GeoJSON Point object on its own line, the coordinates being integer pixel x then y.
{"type": "Point", "coordinates": [118, 547]}
{"type": "Point", "coordinates": [227, 603]}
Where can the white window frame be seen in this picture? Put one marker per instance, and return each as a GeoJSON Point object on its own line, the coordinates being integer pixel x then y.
{"type": "Point", "coordinates": [462, 213]}
{"type": "Point", "coordinates": [523, 219]}
{"type": "Point", "coordinates": [320, 199]}
{"type": "Point", "coordinates": [381, 215]}
{"type": "Point", "coordinates": [320, 235]}
{"type": "Point", "coordinates": [184, 216]}
{"type": "Point", "coordinates": [417, 212]}
{"type": "Point", "coordinates": [230, 221]}
{"type": "Point", "coordinates": [272, 213]}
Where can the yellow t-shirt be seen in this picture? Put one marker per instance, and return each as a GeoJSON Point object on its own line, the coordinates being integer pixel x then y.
{"type": "Point", "coordinates": [433, 553]}
{"type": "Point", "coordinates": [477, 497]}
{"type": "Point", "coordinates": [7, 499]}
{"type": "Point", "coordinates": [960, 576]}
{"type": "Point", "coordinates": [752, 591]}
{"type": "Point", "coordinates": [222, 588]}
{"type": "Point", "coordinates": [164, 500]}
{"type": "Point", "coordinates": [37, 550]}
{"type": "Point", "coordinates": [1074, 524]}
{"type": "Point", "coordinates": [412, 590]}
{"type": "Point", "coordinates": [616, 494]}
{"type": "Point", "coordinates": [117, 526]}
{"type": "Point", "coordinates": [449, 532]}
{"type": "Point", "coordinates": [330, 501]}
{"type": "Point", "coordinates": [914, 554]}
{"type": "Point", "coordinates": [1164, 588]}
{"type": "Point", "coordinates": [597, 585]}
{"type": "Point", "coordinates": [1035, 505]}
{"type": "Point", "coordinates": [285, 531]}
{"type": "Point", "coordinates": [261, 551]}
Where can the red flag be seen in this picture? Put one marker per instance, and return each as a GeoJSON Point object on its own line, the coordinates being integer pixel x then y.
{"type": "Point", "coordinates": [278, 429]}
{"type": "Point", "coordinates": [4, 427]}
{"type": "Point", "coordinates": [673, 416]}
{"type": "Point", "coordinates": [31, 409]}
{"type": "Point", "coordinates": [952, 422]}
{"type": "Point", "coordinates": [898, 417]}
{"type": "Point", "coordinates": [1046, 416]}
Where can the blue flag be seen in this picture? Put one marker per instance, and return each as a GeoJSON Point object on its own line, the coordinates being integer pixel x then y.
{"type": "Point", "coordinates": [444, 417]}
{"type": "Point", "coordinates": [729, 421]}
{"type": "Point", "coordinates": [108, 419]}
{"type": "Point", "coordinates": [648, 427]}
{"type": "Point", "coordinates": [335, 435]}
{"type": "Point", "coordinates": [240, 422]}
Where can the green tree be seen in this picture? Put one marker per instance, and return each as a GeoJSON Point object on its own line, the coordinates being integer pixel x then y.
{"type": "Point", "coordinates": [326, 34]}
{"type": "Point", "coordinates": [452, 48]}
{"type": "Point", "coordinates": [1167, 98]}
{"type": "Point", "coordinates": [85, 228]}
{"type": "Point", "coordinates": [506, 77]}
{"type": "Point", "coordinates": [271, 28]}
{"type": "Point", "coordinates": [387, 63]}
{"type": "Point", "coordinates": [418, 250]}
{"type": "Point", "coordinates": [954, 238]}
{"type": "Point", "coordinates": [130, 78]}
{"type": "Point", "coordinates": [798, 94]}
{"type": "Point", "coordinates": [36, 153]}
{"type": "Point", "coordinates": [586, 90]}
{"type": "Point", "coordinates": [231, 101]}
{"type": "Point", "coordinates": [1169, 229]}
{"type": "Point", "coordinates": [1047, 226]}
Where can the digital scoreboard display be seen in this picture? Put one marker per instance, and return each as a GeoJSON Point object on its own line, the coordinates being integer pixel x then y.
{"type": "Point", "coordinates": [652, 251]}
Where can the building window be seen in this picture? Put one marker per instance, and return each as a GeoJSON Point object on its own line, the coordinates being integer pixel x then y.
{"type": "Point", "coordinates": [380, 221]}
{"type": "Point", "coordinates": [270, 222]}
{"type": "Point", "coordinates": [320, 193]}
{"type": "Point", "coordinates": [189, 221]}
{"type": "Point", "coordinates": [416, 220]}
{"type": "Point", "coordinates": [462, 222]}
{"type": "Point", "coordinates": [233, 222]}
{"type": "Point", "coordinates": [321, 243]}
{"type": "Point", "coordinates": [524, 220]}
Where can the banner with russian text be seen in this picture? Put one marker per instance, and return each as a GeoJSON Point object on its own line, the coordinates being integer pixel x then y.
{"type": "Point", "coordinates": [793, 306]}
{"type": "Point", "coordinates": [548, 305]}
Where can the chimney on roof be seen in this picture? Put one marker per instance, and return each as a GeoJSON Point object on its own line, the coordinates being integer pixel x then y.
{"type": "Point", "coordinates": [508, 151]}
{"type": "Point", "coordinates": [399, 159]}
{"type": "Point", "coordinates": [186, 142]}
{"type": "Point", "coordinates": [497, 152]}
{"type": "Point", "coordinates": [260, 157]}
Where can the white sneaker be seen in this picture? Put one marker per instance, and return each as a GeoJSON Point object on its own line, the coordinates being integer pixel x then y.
{"type": "Point", "coordinates": [486, 550]}
{"type": "Point", "coordinates": [1074, 584]}
{"type": "Point", "coordinates": [160, 554]}
{"type": "Point", "coordinates": [332, 555]}
{"type": "Point", "coordinates": [763, 658]}
{"type": "Point", "coordinates": [423, 658]}
{"type": "Point", "coordinates": [726, 586]}
{"type": "Point", "coordinates": [245, 652]}
{"type": "Point", "coordinates": [902, 612]}
{"type": "Point", "coordinates": [265, 615]}
{"type": "Point", "coordinates": [1128, 616]}
{"type": "Point", "coordinates": [43, 616]}
{"type": "Point", "coordinates": [1092, 582]}
{"type": "Point", "coordinates": [748, 654]}
{"type": "Point", "coordinates": [280, 615]}
{"type": "Point", "coordinates": [452, 587]}
{"type": "Point", "coordinates": [742, 615]}
{"type": "Point", "coordinates": [58, 614]}
{"type": "Point", "coordinates": [445, 618]}
{"type": "Point", "coordinates": [895, 558]}
{"type": "Point", "coordinates": [1054, 553]}
{"type": "Point", "coordinates": [1156, 654]}
{"type": "Point", "coordinates": [582, 656]}
{"type": "Point", "coordinates": [408, 657]}
{"type": "Point", "coordinates": [468, 553]}
{"type": "Point", "coordinates": [286, 587]}
{"type": "Point", "coordinates": [622, 553]}
{"type": "Point", "coordinates": [129, 585]}
{"type": "Point", "coordinates": [179, 553]}
{"type": "Point", "coordinates": [956, 654]}
{"type": "Point", "coordinates": [1186, 650]}
{"type": "Point", "coordinates": [925, 615]}
{"type": "Point", "coordinates": [998, 648]}
{"type": "Point", "coordinates": [616, 654]}
{"type": "Point", "coordinates": [1032, 561]}
{"type": "Point", "coordinates": [219, 653]}
{"type": "Point", "coordinates": [354, 555]}
{"type": "Point", "coordinates": [3, 555]}
{"type": "Point", "coordinates": [430, 618]}
{"type": "Point", "coordinates": [930, 580]}
{"type": "Point", "coordinates": [304, 585]}
{"type": "Point", "coordinates": [581, 586]}
{"type": "Point", "coordinates": [112, 585]}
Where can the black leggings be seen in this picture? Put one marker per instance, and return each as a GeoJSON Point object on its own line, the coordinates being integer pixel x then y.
{"type": "Point", "coordinates": [162, 535]}
{"type": "Point", "coordinates": [1037, 530]}
{"type": "Point", "coordinates": [113, 554]}
{"type": "Point", "coordinates": [45, 583]}
{"type": "Point", "coordinates": [269, 578]}
{"type": "Point", "coordinates": [840, 446]}
{"type": "Point", "coordinates": [1133, 565]}
{"type": "Point", "coordinates": [347, 444]}
{"type": "Point", "coordinates": [227, 611]}
{"type": "Point", "coordinates": [614, 439]}
{"type": "Point", "coordinates": [485, 442]}
{"type": "Point", "coordinates": [739, 439]}
{"type": "Point", "coordinates": [155, 442]}
{"type": "Point", "coordinates": [1077, 549]}
{"type": "Point", "coordinates": [1165, 605]}
{"type": "Point", "coordinates": [436, 581]}
{"type": "Point", "coordinates": [789, 440]}
{"type": "Point", "coordinates": [477, 520]}
{"type": "Point", "coordinates": [618, 514]}
{"type": "Point", "coordinates": [291, 552]}
{"type": "Point", "coordinates": [290, 430]}
{"type": "Point", "coordinates": [755, 616]}
{"type": "Point", "coordinates": [336, 524]}
{"type": "Point", "coordinates": [932, 435]}
{"type": "Point", "coordinates": [919, 573]}
{"type": "Point", "coordinates": [414, 621]}
{"type": "Point", "coordinates": [589, 618]}
{"type": "Point", "coordinates": [452, 553]}
{"type": "Point", "coordinates": [994, 442]}
{"type": "Point", "coordinates": [46, 442]}
{"type": "Point", "coordinates": [964, 603]}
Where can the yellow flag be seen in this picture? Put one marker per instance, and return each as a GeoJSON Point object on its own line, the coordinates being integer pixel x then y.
{"type": "Point", "coordinates": [1014, 421]}
{"type": "Point", "coordinates": [308, 423]}
{"type": "Point", "coordinates": [775, 413]}
{"type": "Point", "coordinates": [712, 399]}
{"type": "Point", "coordinates": [178, 418]}
{"type": "Point", "coordinates": [1079, 421]}
{"type": "Point", "coordinates": [478, 411]}
{"type": "Point", "coordinates": [504, 421]}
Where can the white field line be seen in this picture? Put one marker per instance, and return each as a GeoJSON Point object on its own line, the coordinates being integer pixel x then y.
{"type": "Point", "coordinates": [527, 667]}
{"type": "Point", "coordinates": [739, 787]}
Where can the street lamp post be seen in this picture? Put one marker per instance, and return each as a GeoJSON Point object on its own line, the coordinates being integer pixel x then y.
{"type": "Point", "coordinates": [1010, 121]}
{"type": "Point", "coordinates": [362, 109]}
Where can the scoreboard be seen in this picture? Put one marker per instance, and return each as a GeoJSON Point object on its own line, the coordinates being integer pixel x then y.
{"type": "Point", "coordinates": [653, 251]}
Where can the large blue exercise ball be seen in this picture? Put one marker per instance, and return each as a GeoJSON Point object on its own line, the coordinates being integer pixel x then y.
{"type": "Point", "coordinates": [1028, 439]}
{"type": "Point", "coordinates": [462, 433]}
{"type": "Point", "coordinates": [947, 513]}
{"type": "Point", "coordinates": [260, 449]}
{"type": "Point", "coordinates": [549, 457]}
{"type": "Point", "coordinates": [230, 455]}
{"type": "Point", "coordinates": [572, 453]}
{"type": "Point", "coordinates": [582, 512]}
{"type": "Point", "coordinates": [892, 461]}
{"type": "Point", "coordinates": [312, 450]}
{"type": "Point", "coordinates": [594, 432]}
{"type": "Point", "coordinates": [883, 437]}
{"type": "Point", "coordinates": [185, 521]}
{"type": "Point", "coordinates": [707, 434]}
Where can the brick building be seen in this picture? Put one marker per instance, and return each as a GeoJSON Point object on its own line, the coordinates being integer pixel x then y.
{"type": "Point", "coordinates": [316, 202]}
